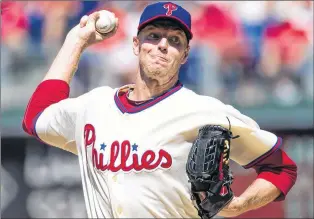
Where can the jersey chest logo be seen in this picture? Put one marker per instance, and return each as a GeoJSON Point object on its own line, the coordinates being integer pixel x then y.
{"type": "Point", "coordinates": [123, 156]}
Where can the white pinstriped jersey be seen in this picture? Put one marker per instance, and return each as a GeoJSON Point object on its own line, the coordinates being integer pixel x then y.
{"type": "Point", "coordinates": [133, 161]}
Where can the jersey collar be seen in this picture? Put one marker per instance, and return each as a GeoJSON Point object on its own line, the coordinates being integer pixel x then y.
{"type": "Point", "coordinates": [146, 104]}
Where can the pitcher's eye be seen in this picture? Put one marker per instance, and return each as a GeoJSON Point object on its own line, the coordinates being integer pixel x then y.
{"type": "Point", "coordinates": [153, 36]}
{"type": "Point", "coordinates": [174, 39]}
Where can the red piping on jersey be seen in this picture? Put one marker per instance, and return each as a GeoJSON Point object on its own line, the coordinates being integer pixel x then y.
{"type": "Point", "coordinates": [128, 104]}
{"type": "Point", "coordinates": [34, 125]}
{"type": "Point", "coordinates": [147, 104]}
{"type": "Point", "coordinates": [263, 156]}
{"type": "Point", "coordinates": [47, 93]}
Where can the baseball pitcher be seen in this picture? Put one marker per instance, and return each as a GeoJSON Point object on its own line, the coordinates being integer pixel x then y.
{"type": "Point", "coordinates": [155, 149]}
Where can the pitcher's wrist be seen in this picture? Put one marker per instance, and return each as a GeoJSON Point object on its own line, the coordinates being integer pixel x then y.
{"type": "Point", "coordinates": [74, 43]}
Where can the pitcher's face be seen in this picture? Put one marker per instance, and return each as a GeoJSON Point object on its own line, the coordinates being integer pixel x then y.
{"type": "Point", "coordinates": [161, 51]}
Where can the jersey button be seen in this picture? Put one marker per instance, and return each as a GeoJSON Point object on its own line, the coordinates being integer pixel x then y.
{"type": "Point", "coordinates": [119, 210]}
{"type": "Point", "coordinates": [114, 178]}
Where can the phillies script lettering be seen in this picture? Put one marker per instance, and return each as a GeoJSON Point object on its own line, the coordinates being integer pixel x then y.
{"type": "Point", "coordinates": [120, 154]}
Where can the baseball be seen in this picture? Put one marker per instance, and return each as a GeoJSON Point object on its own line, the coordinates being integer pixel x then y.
{"type": "Point", "coordinates": [106, 22]}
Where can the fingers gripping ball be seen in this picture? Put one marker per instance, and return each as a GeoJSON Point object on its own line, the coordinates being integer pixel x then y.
{"type": "Point", "coordinates": [106, 22]}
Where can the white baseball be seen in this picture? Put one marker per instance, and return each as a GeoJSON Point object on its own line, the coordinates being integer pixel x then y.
{"type": "Point", "coordinates": [106, 21]}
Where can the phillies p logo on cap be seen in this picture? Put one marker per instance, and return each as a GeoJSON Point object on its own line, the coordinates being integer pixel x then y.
{"type": "Point", "coordinates": [166, 10]}
{"type": "Point", "coordinates": [170, 8]}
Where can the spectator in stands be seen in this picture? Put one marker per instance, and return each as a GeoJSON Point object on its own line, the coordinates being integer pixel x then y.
{"type": "Point", "coordinates": [14, 31]}
{"type": "Point", "coordinates": [102, 68]}
{"type": "Point", "coordinates": [221, 32]}
{"type": "Point", "coordinates": [285, 51]}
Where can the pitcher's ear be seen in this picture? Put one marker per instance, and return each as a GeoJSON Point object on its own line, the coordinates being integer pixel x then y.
{"type": "Point", "coordinates": [186, 54]}
{"type": "Point", "coordinates": [136, 46]}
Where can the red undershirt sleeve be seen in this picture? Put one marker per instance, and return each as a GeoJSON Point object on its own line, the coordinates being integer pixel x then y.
{"type": "Point", "coordinates": [47, 93]}
{"type": "Point", "coordinates": [280, 170]}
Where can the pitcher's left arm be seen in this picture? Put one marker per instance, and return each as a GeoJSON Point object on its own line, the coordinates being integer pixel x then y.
{"type": "Point", "coordinates": [260, 150]}
{"type": "Point", "coordinates": [276, 176]}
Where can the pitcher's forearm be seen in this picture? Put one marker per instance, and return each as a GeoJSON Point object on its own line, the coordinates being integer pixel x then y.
{"type": "Point", "coordinates": [66, 62]}
{"type": "Point", "coordinates": [80, 37]}
{"type": "Point", "coordinates": [258, 194]}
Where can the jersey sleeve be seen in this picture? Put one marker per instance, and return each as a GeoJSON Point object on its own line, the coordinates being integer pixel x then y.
{"type": "Point", "coordinates": [52, 116]}
{"type": "Point", "coordinates": [256, 148]}
{"type": "Point", "coordinates": [254, 144]}
{"type": "Point", "coordinates": [56, 124]}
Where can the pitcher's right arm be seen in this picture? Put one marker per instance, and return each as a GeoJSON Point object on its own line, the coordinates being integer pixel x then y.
{"type": "Point", "coordinates": [50, 114]}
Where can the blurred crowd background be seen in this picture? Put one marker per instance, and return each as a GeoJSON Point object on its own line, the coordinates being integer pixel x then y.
{"type": "Point", "coordinates": [255, 55]}
{"type": "Point", "coordinates": [251, 54]}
